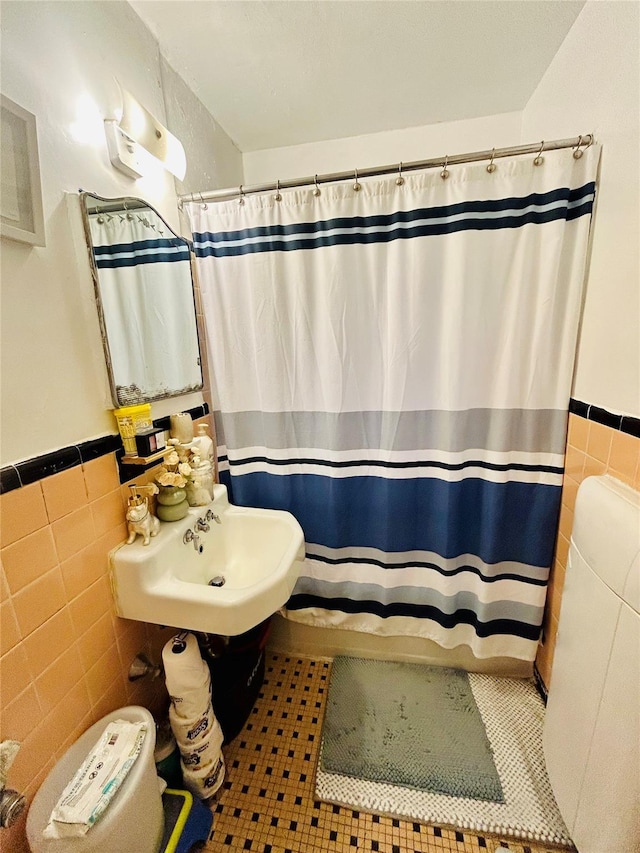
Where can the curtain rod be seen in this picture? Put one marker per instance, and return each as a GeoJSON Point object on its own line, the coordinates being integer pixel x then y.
{"type": "Point", "coordinates": [435, 162]}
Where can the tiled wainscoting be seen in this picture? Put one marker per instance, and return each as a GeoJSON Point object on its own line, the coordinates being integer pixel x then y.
{"type": "Point", "coordinates": [593, 448]}
{"type": "Point", "coordinates": [65, 654]}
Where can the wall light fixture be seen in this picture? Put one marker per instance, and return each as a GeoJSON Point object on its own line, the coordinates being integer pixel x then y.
{"type": "Point", "coordinates": [139, 133]}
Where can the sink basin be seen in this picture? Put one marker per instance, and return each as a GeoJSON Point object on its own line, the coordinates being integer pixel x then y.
{"type": "Point", "coordinates": [256, 554]}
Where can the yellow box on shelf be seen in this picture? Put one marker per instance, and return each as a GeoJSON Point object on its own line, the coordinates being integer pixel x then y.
{"type": "Point", "coordinates": [132, 419]}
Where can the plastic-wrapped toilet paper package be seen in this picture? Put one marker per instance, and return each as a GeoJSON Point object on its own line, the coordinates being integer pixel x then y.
{"type": "Point", "coordinates": [187, 730]}
{"type": "Point", "coordinates": [193, 722]}
{"type": "Point", "coordinates": [189, 704]}
{"type": "Point", "coordinates": [202, 752]}
{"type": "Point", "coordinates": [203, 782]}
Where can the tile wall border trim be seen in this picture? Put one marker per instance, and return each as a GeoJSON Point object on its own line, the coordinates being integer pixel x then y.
{"type": "Point", "coordinates": [621, 423]}
{"type": "Point", "coordinates": [31, 470]}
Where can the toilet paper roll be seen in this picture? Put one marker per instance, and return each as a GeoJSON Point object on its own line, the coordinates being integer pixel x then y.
{"type": "Point", "coordinates": [194, 730]}
{"type": "Point", "coordinates": [189, 704]}
{"type": "Point", "coordinates": [184, 670]}
{"type": "Point", "coordinates": [205, 781]}
{"type": "Point", "coordinates": [205, 752]}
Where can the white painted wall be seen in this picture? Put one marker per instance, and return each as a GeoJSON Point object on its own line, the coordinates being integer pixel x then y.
{"type": "Point", "coordinates": [379, 149]}
{"type": "Point", "coordinates": [212, 158]}
{"type": "Point", "coordinates": [59, 61]}
{"type": "Point", "coordinates": [593, 85]}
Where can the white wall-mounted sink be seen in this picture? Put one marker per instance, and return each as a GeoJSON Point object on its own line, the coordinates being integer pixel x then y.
{"type": "Point", "coordinates": [258, 553]}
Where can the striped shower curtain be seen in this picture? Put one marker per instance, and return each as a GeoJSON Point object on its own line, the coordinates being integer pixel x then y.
{"type": "Point", "coordinates": [393, 366]}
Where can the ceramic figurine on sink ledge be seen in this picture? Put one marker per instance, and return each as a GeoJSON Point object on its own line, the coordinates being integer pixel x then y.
{"type": "Point", "coordinates": [140, 520]}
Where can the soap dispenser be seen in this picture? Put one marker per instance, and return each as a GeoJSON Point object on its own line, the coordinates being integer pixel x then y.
{"type": "Point", "coordinates": [205, 443]}
{"type": "Point", "coordinates": [140, 519]}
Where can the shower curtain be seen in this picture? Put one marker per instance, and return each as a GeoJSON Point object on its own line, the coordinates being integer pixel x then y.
{"type": "Point", "coordinates": [393, 366]}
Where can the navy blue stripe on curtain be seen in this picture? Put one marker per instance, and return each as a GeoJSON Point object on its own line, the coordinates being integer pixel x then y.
{"type": "Point", "coordinates": [536, 208]}
{"type": "Point", "coordinates": [158, 251]}
{"type": "Point", "coordinates": [498, 522]}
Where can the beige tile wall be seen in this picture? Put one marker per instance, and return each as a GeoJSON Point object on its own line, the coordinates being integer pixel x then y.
{"type": "Point", "coordinates": [65, 655]}
{"type": "Point", "coordinates": [592, 449]}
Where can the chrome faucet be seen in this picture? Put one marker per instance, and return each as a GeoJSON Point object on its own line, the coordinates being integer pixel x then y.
{"type": "Point", "coordinates": [202, 525]}
{"type": "Point", "coordinates": [190, 536]}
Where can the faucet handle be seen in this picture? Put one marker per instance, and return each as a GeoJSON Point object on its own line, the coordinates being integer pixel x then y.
{"type": "Point", "coordinates": [211, 516]}
{"type": "Point", "coordinates": [190, 536]}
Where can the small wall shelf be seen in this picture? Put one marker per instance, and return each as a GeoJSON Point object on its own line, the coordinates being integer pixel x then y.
{"type": "Point", "coordinates": [144, 460]}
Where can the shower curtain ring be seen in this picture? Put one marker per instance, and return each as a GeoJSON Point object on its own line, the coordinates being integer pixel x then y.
{"type": "Point", "coordinates": [241, 199]}
{"type": "Point", "coordinates": [444, 174]}
{"type": "Point", "coordinates": [357, 185]}
{"type": "Point", "coordinates": [399, 179]}
{"type": "Point", "coordinates": [277, 196]}
{"type": "Point", "coordinates": [577, 153]}
{"type": "Point", "coordinates": [129, 216]}
{"type": "Point", "coordinates": [539, 159]}
{"type": "Point", "coordinates": [316, 189]}
{"type": "Point", "coordinates": [204, 206]}
{"type": "Point", "coordinates": [492, 166]}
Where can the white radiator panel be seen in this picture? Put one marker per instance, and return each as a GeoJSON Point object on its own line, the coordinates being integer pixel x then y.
{"type": "Point", "coordinates": [591, 733]}
{"type": "Point", "coordinates": [611, 786]}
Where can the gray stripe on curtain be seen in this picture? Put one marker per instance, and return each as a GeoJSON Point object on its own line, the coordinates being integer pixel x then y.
{"type": "Point", "coordinates": [388, 559]}
{"type": "Point", "coordinates": [449, 604]}
{"type": "Point", "coordinates": [502, 430]}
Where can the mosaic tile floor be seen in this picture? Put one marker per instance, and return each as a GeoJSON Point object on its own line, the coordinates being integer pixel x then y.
{"type": "Point", "coordinates": [267, 803]}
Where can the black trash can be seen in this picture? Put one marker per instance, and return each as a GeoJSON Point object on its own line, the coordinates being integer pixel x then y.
{"type": "Point", "coordinates": [237, 673]}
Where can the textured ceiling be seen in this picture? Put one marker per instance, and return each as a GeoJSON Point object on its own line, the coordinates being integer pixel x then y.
{"type": "Point", "coordinates": [283, 72]}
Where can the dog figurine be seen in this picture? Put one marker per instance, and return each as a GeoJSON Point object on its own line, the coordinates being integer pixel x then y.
{"type": "Point", "coordinates": [141, 521]}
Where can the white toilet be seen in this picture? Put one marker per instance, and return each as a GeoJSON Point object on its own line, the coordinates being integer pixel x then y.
{"type": "Point", "coordinates": [134, 819]}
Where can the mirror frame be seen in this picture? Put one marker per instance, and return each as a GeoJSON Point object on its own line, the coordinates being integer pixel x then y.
{"type": "Point", "coordinates": [132, 203]}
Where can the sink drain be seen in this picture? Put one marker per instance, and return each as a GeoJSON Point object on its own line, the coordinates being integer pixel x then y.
{"type": "Point", "coordinates": [217, 581]}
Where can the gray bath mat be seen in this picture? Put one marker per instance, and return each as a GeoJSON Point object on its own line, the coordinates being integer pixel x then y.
{"type": "Point", "coordinates": [513, 714]}
{"type": "Point", "coordinates": [408, 724]}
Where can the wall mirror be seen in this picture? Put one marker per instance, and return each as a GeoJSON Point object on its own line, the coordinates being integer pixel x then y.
{"type": "Point", "coordinates": [145, 297]}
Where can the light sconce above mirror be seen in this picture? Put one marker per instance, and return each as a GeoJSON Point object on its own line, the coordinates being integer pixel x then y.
{"type": "Point", "coordinates": [139, 134]}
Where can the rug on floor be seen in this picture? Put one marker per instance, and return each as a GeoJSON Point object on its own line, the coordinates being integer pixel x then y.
{"type": "Point", "coordinates": [512, 713]}
{"type": "Point", "coordinates": [408, 724]}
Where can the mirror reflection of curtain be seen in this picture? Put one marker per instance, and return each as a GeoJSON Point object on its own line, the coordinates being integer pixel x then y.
{"type": "Point", "coordinates": [147, 301]}
{"type": "Point", "coordinates": [394, 367]}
